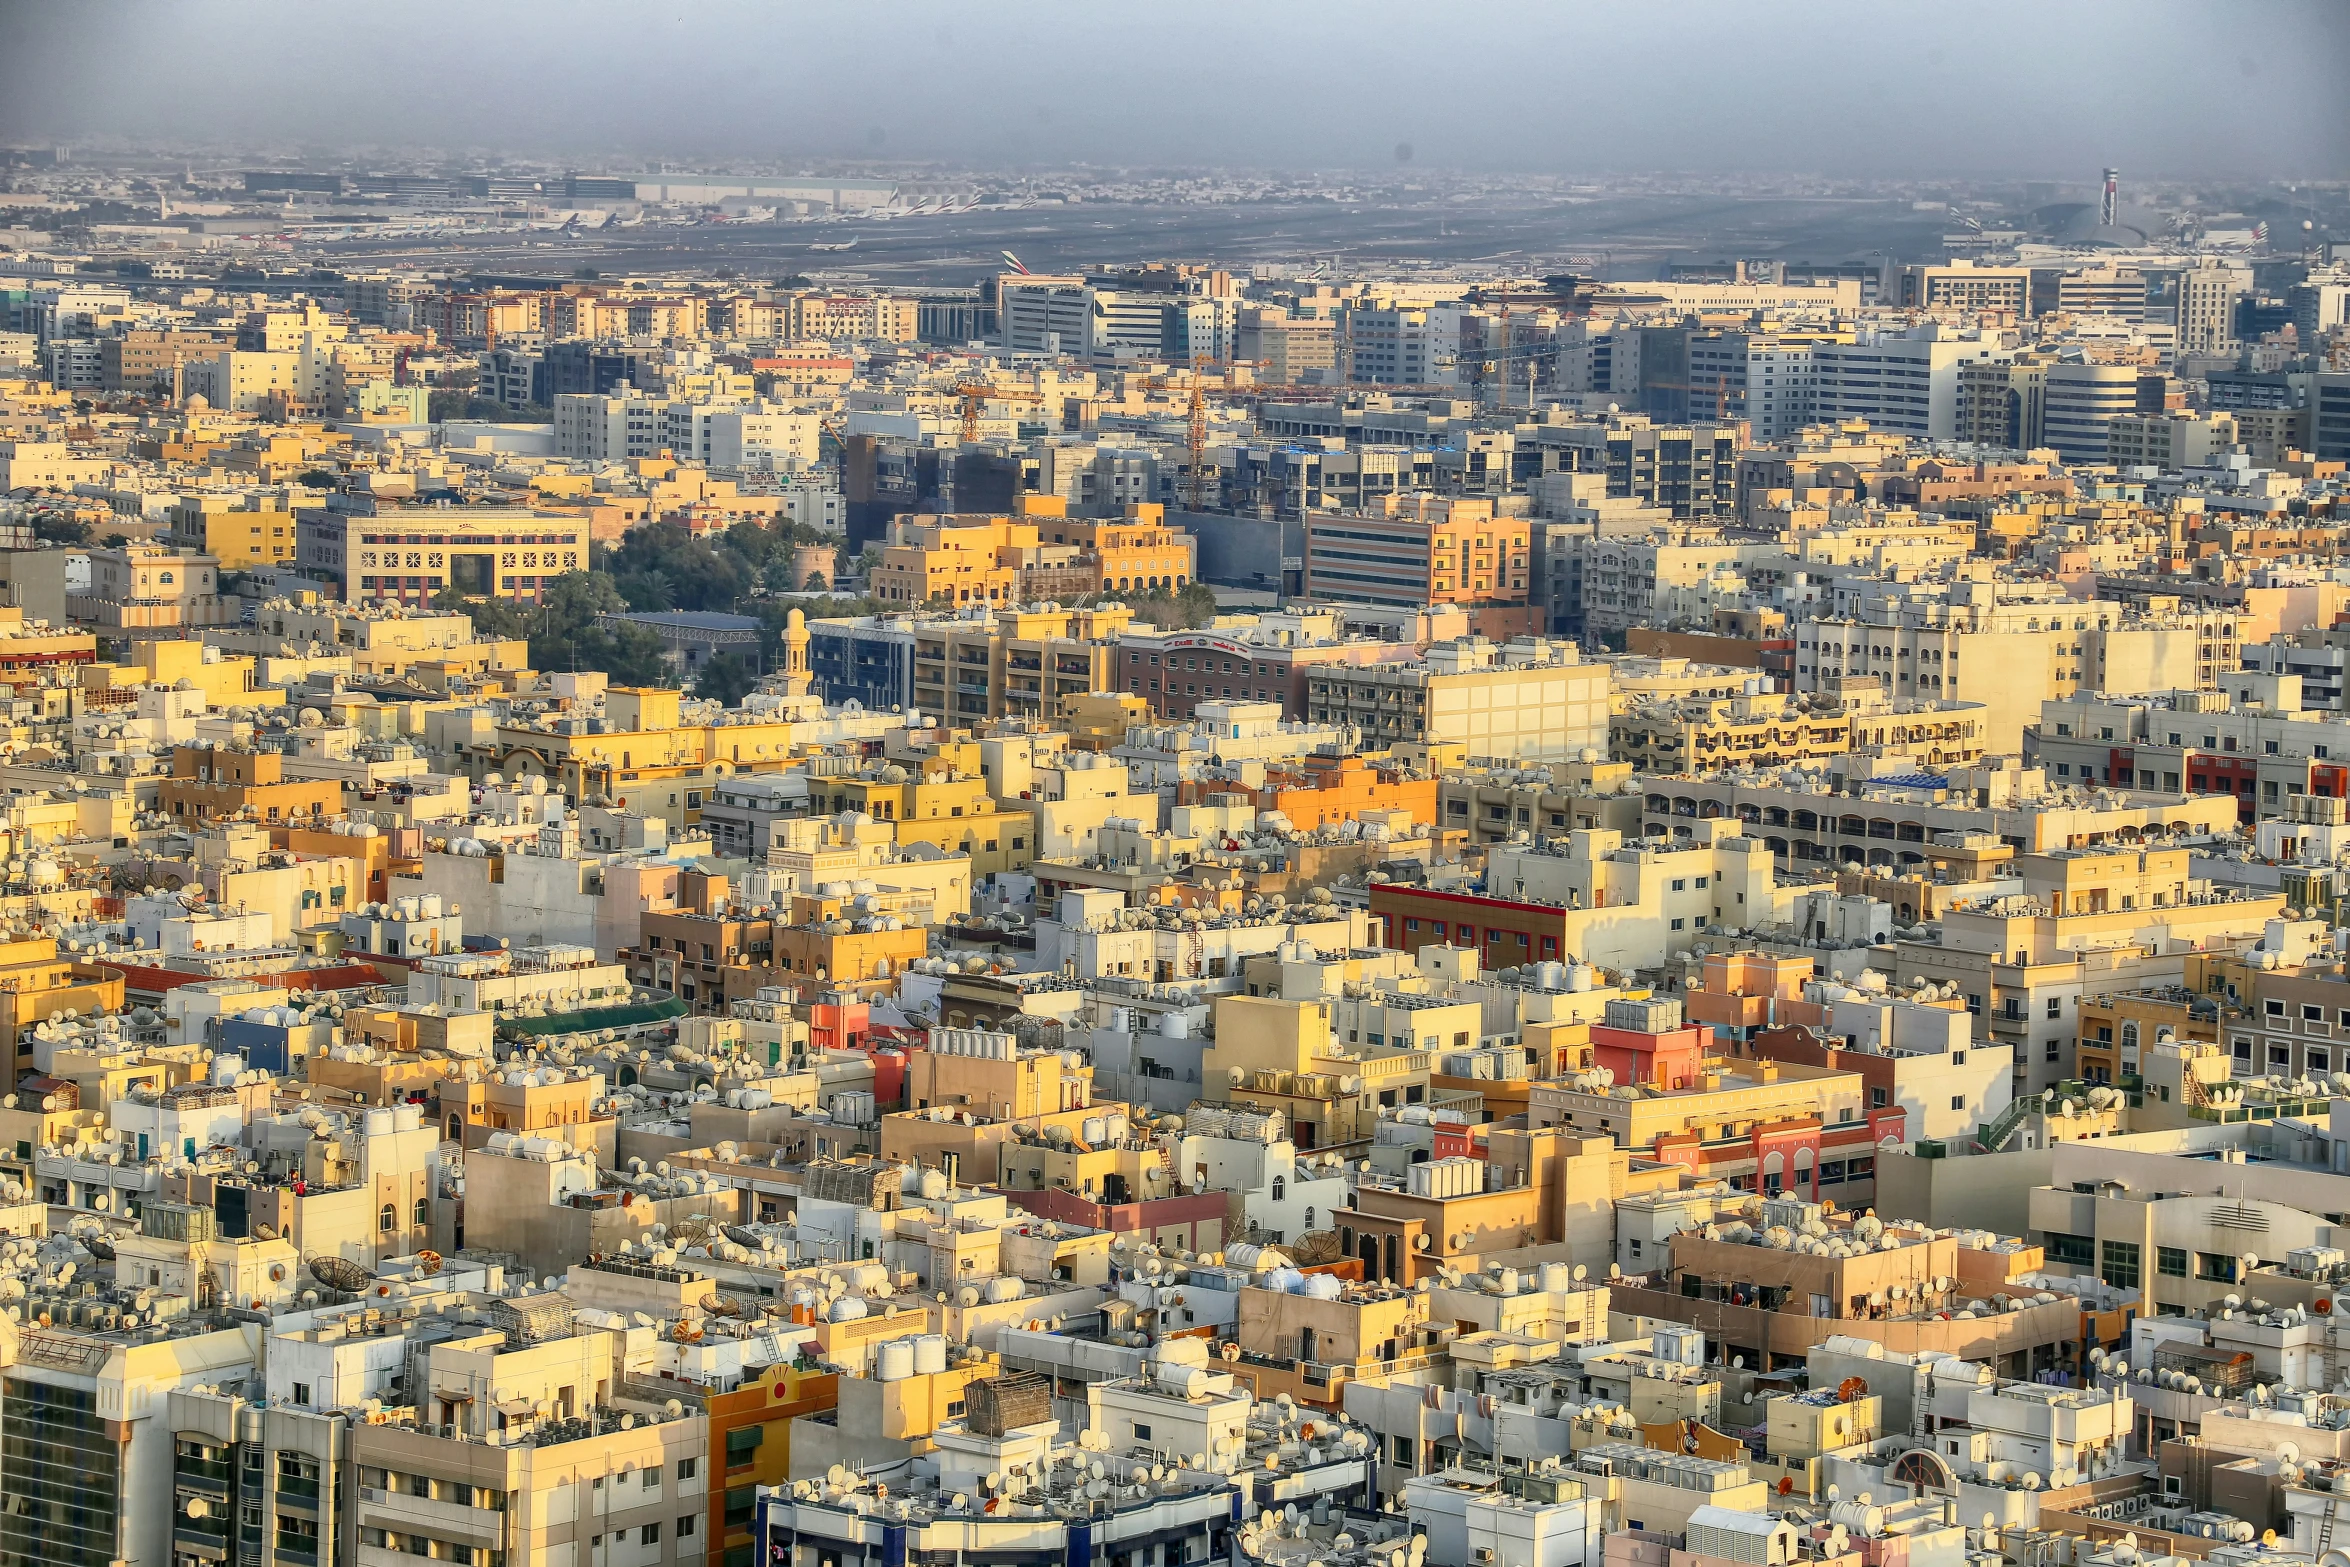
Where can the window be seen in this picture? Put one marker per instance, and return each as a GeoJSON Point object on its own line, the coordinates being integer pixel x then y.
{"type": "Point", "coordinates": [685, 1469]}
{"type": "Point", "coordinates": [1142, 1433]}
{"type": "Point", "coordinates": [650, 1534]}
{"type": "Point", "coordinates": [2056, 1006]}
{"type": "Point", "coordinates": [301, 1392]}
{"type": "Point", "coordinates": [2171, 1261]}
{"type": "Point", "coordinates": [2074, 1251]}
{"type": "Point", "coordinates": [742, 1444]}
{"type": "Point", "coordinates": [2121, 1264]}
{"type": "Point", "coordinates": [423, 1211]}
{"type": "Point", "coordinates": [2215, 1267]}
{"type": "Point", "coordinates": [1958, 1101]}
{"type": "Point", "coordinates": [685, 1527]}
{"type": "Point", "coordinates": [388, 1219]}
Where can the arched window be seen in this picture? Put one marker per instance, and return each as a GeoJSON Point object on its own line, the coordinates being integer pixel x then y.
{"type": "Point", "coordinates": [423, 1211]}
{"type": "Point", "coordinates": [389, 1219]}
{"type": "Point", "coordinates": [1279, 1186]}
{"type": "Point", "coordinates": [1309, 1225]}
{"type": "Point", "coordinates": [2129, 1036]}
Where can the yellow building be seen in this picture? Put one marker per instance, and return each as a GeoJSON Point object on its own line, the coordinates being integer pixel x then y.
{"type": "Point", "coordinates": [228, 681]}
{"type": "Point", "coordinates": [954, 560]}
{"type": "Point", "coordinates": [1023, 662]}
{"type": "Point", "coordinates": [944, 806]}
{"type": "Point", "coordinates": [1135, 553]}
{"type": "Point", "coordinates": [240, 531]}
{"type": "Point", "coordinates": [1280, 1055]}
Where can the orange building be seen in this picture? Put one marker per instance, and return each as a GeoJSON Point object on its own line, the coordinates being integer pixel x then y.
{"type": "Point", "coordinates": [750, 1443]}
{"type": "Point", "coordinates": [1738, 992]}
{"type": "Point", "coordinates": [212, 781]}
{"type": "Point", "coordinates": [373, 854]}
{"type": "Point", "coordinates": [1324, 791]}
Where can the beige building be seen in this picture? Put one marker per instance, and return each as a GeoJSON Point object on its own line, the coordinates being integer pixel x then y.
{"type": "Point", "coordinates": [410, 556]}
{"type": "Point", "coordinates": [1531, 700]}
{"type": "Point", "coordinates": [1701, 735]}
{"type": "Point", "coordinates": [144, 592]}
{"type": "Point", "coordinates": [520, 1444]}
{"type": "Point", "coordinates": [2010, 646]}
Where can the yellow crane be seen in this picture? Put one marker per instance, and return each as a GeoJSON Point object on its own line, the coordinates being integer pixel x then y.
{"type": "Point", "coordinates": [974, 393]}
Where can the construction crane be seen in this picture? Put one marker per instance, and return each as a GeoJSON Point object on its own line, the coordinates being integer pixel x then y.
{"type": "Point", "coordinates": [974, 393]}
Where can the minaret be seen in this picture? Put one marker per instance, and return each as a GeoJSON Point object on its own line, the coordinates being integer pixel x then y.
{"type": "Point", "coordinates": [796, 679]}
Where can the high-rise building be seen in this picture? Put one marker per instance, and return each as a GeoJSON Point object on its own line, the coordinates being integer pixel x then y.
{"type": "Point", "coordinates": [2207, 307]}
{"type": "Point", "coordinates": [1036, 314]}
{"type": "Point", "coordinates": [1906, 384]}
{"type": "Point", "coordinates": [2080, 401]}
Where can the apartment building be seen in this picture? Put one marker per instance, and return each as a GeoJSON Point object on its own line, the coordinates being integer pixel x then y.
{"type": "Point", "coordinates": [1669, 579]}
{"type": "Point", "coordinates": [1764, 377]}
{"type": "Point", "coordinates": [1263, 658]}
{"type": "Point", "coordinates": [1422, 549]}
{"type": "Point", "coordinates": [2169, 440]}
{"type": "Point", "coordinates": [1689, 470]}
{"type": "Point", "coordinates": [2002, 401]}
{"type": "Point", "coordinates": [142, 360]}
{"type": "Point", "coordinates": [241, 532]}
{"type": "Point", "coordinates": [1530, 700]}
{"type": "Point", "coordinates": [1013, 661]}
{"type": "Point", "coordinates": [1700, 735]}
{"type": "Point", "coordinates": [1895, 819]}
{"type": "Point", "coordinates": [863, 317]}
{"type": "Point", "coordinates": [524, 1439]}
{"type": "Point", "coordinates": [2009, 646]}
{"type": "Point", "coordinates": [2252, 743]}
{"type": "Point", "coordinates": [1965, 287]}
{"type": "Point", "coordinates": [1037, 314]}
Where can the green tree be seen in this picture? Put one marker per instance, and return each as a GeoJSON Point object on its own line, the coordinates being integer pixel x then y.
{"type": "Point", "coordinates": [727, 678]}
{"type": "Point", "coordinates": [60, 530]}
{"type": "Point", "coordinates": [1196, 602]}
{"type": "Point", "coordinates": [816, 582]}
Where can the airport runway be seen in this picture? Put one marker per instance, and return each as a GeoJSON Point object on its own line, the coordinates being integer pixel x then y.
{"type": "Point", "coordinates": [1627, 237]}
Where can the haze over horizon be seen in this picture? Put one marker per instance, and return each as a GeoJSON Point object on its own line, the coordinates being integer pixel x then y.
{"type": "Point", "coordinates": [2025, 90]}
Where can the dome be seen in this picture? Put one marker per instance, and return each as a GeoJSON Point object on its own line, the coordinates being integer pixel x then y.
{"type": "Point", "coordinates": [2075, 223]}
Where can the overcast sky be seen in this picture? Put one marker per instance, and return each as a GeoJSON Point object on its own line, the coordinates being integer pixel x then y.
{"type": "Point", "coordinates": [1994, 87]}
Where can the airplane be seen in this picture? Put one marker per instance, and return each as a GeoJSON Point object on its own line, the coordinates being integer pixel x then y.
{"type": "Point", "coordinates": [847, 244]}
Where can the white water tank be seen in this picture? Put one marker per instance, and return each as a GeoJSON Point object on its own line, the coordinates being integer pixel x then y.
{"type": "Point", "coordinates": [847, 1309]}
{"type": "Point", "coordinates": [895, 1362]}
{"type": "Point", "coordinates": [407, 1118]}
{"type": "Point", "coordinates": [930, 1353]}
{"type": "Point", "coordinates": [1001, 1288]}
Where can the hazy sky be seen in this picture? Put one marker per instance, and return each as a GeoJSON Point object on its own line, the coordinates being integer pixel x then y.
{"type": "Point", "coordinates": [2032, 87]}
